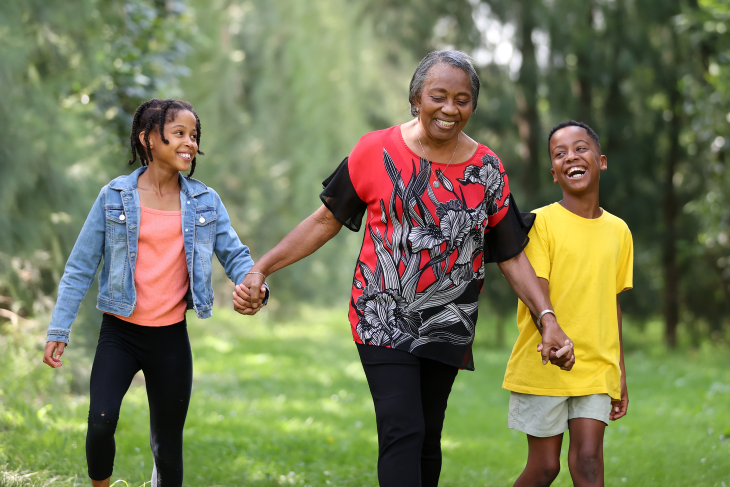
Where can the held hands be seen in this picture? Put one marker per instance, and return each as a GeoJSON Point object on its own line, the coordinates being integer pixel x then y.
{"type": "Point", "coordinates": [52, 354]}
{"type": "Point", "coordinates": [249, 294]}
{"type": "Point", "coordinates": [556, 347]}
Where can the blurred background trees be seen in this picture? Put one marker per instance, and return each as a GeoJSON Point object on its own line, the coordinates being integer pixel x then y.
{"type": "Point", "coordinates": [285, 89]}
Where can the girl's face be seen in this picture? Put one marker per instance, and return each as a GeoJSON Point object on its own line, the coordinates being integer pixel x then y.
{"type": "Point", "coordinates": [183, 142]}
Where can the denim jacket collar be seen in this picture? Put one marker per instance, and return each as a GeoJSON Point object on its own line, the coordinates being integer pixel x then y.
{"type": "Point", "coordinates": [191, 187]}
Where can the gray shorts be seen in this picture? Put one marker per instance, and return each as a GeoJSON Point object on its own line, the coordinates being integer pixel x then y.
{"type": "Point", "coordinates": [545, 416]}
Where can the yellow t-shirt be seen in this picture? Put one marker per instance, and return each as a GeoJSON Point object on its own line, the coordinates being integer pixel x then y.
{"type": "Point", "coordinates": [587, 263]}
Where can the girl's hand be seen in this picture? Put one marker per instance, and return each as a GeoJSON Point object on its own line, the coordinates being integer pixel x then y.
{"type": "Point", "coordinates": [52, 354]}
{"type": "Point", "coordinates": [243, 302]}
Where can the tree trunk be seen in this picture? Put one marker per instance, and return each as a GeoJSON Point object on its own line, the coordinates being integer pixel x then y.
{"type": "Point", "coordinates": [585, 53]}
{"type": "Point", "coordinates": [528, 121]}
{"type": "Point", "coordinates": [669, 215]}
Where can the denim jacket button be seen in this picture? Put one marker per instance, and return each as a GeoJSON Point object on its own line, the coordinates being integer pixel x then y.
{"type": "Point", "coordinates": [188, 202]}
{"type": "Point", "coordinates": [122, 217]}
{"type": "Point", "coordinates": [202, 220]}
{"type": "Point", "coordinates": [186, 229]}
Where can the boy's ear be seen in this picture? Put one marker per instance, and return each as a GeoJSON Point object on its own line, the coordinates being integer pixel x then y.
{"type": "Point", "coordinates": [555, 179]}
{"type": "Point", "coordinates": [603, 163]}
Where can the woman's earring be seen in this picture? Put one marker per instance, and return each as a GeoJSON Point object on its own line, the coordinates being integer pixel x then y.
{"type": "Point", "coordinates": [418, 109]}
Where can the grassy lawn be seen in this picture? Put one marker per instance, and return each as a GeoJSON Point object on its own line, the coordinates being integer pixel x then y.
{"type": "Point", "coordinates": [286, 403]}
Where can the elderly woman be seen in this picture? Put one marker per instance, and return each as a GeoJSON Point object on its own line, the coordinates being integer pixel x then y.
{"type": "Point", "coordinates": [438, 209]}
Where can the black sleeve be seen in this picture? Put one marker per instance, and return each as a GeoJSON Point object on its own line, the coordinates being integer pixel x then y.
{"type": "Point", "coordinates": [508, 237]}
{"type": "Point", "coordinates": [340, 197]}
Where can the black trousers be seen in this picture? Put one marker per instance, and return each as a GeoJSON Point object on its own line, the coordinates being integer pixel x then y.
{"type": "Point", "coordinates": [163, 354]}
{"type": "Point", "coordinates": [410, 396]}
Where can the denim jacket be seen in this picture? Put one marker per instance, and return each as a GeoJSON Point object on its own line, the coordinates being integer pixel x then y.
{"type": "Point", "coordinates": [111, 233]}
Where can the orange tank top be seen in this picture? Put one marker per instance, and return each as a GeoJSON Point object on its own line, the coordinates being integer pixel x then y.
{"type": "Point", "coordinates": [161, 273]}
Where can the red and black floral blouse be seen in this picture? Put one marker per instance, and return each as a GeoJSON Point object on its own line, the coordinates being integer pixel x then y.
{"type": "Point", "coordinates": [430, 229]}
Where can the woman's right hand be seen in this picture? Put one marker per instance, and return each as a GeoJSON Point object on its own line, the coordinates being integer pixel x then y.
{"type": "Point", "coordinates": [304, 239]}
{"type": "Point", "coordinates": [246, 299]}
{"type": "Point", "coordinates": [52, 354]}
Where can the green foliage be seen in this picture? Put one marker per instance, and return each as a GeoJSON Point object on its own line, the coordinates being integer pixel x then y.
{"type": "Point", "coordinates": [285, 89]}
{"type": "Point", "coordinates": [652, 79]}
{"type": "Point", "coordinates": [281, 106]}
{"type": "Point", "coordinates": [706, 172]}
{"type": "Point", "coordinates": [286, 403]}
{"type": "Point", "coordinates": [72, 75]}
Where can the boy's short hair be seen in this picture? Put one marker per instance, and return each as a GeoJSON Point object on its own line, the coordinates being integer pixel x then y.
{"type": "Point", "coordinates": [572, 123]}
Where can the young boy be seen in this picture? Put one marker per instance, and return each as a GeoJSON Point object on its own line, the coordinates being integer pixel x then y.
{"type": "Point", "coordinates": [583, 257]}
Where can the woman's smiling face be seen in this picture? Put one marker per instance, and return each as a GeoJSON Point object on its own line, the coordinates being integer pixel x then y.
{"type": "Point", "coordinates": [445, 104]}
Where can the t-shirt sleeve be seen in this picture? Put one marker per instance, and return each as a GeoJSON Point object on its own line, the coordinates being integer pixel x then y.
{"type": "Point", "coordinates": [625, 272]}
{"type": "Point", "coordinates": [340, 197]}
{"type": "Point", "coordinates": [538, 250]}
{"type": "Point", "coordinates": [508, 237]}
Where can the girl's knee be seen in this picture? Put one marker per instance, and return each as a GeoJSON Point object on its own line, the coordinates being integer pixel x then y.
{"type": "Point", "coordinates": [101, 422]}
{"type": "Point", "coordinates": [100, 433]}
{"type": "Point", "coordinates": [104, 415]}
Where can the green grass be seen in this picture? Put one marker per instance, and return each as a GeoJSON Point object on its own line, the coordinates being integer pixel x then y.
{"type": "Point", "coordinates": [286, 403]}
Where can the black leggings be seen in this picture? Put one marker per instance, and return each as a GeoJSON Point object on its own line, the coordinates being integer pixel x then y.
{"type": "Point", "coordinates": [410, 396]}
{"type": "Point", "coordinates": [163, 354]}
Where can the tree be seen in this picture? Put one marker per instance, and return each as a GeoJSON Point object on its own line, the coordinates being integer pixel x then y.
{"type": "Point", "coordinates": [72, 75]}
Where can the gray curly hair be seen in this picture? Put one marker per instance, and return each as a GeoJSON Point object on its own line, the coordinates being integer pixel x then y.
{"type": "Point", "coordinates": [456, 59]}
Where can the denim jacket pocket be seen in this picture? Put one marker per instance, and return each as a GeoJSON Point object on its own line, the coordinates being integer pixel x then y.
{"type": "Point", "coordinates": [116, 223]}
{"type": "Point", "coordinates": [116, 229]}
{"type": "Point", "coordinates": [205, 225]}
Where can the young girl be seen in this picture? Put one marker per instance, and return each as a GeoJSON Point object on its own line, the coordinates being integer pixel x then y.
{"type": "Point", "coordinates": [156, 232]}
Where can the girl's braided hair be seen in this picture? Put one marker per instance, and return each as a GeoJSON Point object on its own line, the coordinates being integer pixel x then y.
{"type": "Point", "coordinates": [154, 113]}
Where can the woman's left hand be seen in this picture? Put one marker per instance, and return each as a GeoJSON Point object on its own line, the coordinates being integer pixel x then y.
{"type": "Point", "coordinates": [535, 294]}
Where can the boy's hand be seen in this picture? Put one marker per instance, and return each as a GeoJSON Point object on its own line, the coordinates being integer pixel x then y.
{"type": "Point", "coordinates": [243, 302]}
{"type": "Point", "coordinates": [52, 354]}
{"type": "Point", "coordinates": [556, 347]}
{"type": "Point", "coordinates": [620, 407]}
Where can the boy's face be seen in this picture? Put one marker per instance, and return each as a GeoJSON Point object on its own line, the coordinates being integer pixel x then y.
{"type": "Point", "coordinates": [577, 162]}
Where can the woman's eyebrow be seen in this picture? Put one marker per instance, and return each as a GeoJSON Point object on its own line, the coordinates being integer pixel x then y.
{"type": "Point", "coordinates": [444, 90]}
